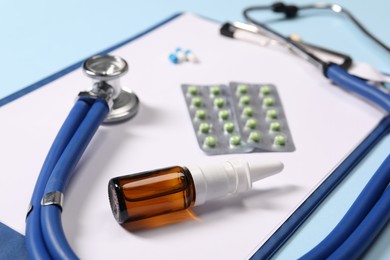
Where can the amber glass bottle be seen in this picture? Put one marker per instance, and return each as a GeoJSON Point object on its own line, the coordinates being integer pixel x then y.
{"type": "Point", "coordinates": [150, 194]}
{"type": "Point", "coordinates": [165, 196]}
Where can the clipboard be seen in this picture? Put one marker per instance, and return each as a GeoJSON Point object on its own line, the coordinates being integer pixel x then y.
{"type": "Point", "coordinates": [201, 35]}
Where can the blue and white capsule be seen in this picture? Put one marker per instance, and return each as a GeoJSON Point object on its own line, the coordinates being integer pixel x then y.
{"type": "Point", "coordinates": [191, 57]}
{"type": "Point", "coordinates": [178, 56]}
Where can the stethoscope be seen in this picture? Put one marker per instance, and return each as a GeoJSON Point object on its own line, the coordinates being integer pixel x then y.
{"type": "Point", "coordinates": [371, 210]}
{"type": "Point", "coordinates": [330, 70]}
{"type": "Point", "coordinates": [106, 102]}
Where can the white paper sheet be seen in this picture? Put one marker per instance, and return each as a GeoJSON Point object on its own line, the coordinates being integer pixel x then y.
{"type": "Point", "coordinates": [326, 124]}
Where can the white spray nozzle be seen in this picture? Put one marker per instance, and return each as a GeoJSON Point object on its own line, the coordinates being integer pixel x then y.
{"type": "Point", "coordinates": [260, 171]}
{"type": "Point", "coordinates": [233, 176]}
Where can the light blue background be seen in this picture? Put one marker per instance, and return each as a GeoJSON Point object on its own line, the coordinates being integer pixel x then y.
{"type": "Point", "coordinates": [39, 38]}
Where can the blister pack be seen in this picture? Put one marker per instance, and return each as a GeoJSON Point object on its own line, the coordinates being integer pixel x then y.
{"type": "Point", "coordinates": [237, 118]}
{"type": "Point", "coordinates": [261, 117]}
{"type": "Point", "coordinates": [213, 119]}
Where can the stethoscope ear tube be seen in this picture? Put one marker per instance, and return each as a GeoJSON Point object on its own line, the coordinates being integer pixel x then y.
{"type": "Point", "coordinates": [232, 30]}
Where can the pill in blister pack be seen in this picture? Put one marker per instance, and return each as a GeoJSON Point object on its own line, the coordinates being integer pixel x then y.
{"type": "Point", "coordinates": [238, 118]}
{"type": "Point", "coordinates": [261, 118]}
{"type": "Point", "coordinates": [213, 120]}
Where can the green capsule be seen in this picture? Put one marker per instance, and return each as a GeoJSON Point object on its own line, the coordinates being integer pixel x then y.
{"type": "Point", "coordinates": [210, 141]}
{"type": "Point", "coordinates": [228, 127]}
{"type": "Point", "coordinates": [251, 123]}
{"type": "Point", "coordinates": [275, 126]}
{"type": "Point", "coordinates": [201, 114]}
{"type": "Point", "coordinates": [272, 114]}
{"type": "Point", "coordinates": [268, 101]}
{"type": "Point", "coordinates": [254, 136]}
{"type": "Point", "coordinates": [215, 90]}
{"type": "Point", "coordinates": [265, 90]}
{"type": "Point", "coordinates": [280, 140]}
{"type": "Point", "coordinates": [219, 102]}
{"type": "Point", "coordinates": [196, 102]}
{"type": "Point", "coordinates": [245, 100]}
{"type": "Point", "coordinates": [224, 114]}
{"type": "Point", "coordinates": [235, 140]}
{"type": "Point", "coordinates": [192, 90]}
{"type": "Point", "coordinates": [204, 128]}
{"type": "Point", "coordinates": [248, 112]}
{"type": "Point", "coordinates": [242, 89]}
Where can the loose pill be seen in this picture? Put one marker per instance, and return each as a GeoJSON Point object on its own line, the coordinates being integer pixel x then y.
{"type": "Point", "coordinates": [275, 126]}
{"type": "Point", "coordinates": [219, 102]}
{"type": "Point", "coordinates": [224, 114]}
{"type": "Point", "coordinates": [245, 100]}
{"type": "Point", "coordinates": [173, 58]}
{"type": "Point", "coordinates": [254, 136]}
{"type": "Point", "coordinates": [228, 127]}
{"type": "Point", "coordinates": [197, 102]}
{"type": "Point", "coordinates": [180, 55]}
{"type": "Point", "coordinates": [235, 140]}
{"type": "Point", "coordinates": [210, 141]}
{"type": "Point", "coordinates": [190, 56]}
{"type": "Point", "coordinates": [251, 123]}
{"type": "Point", "coordinates": [204, 128]}
{"type": "Point", "coordinates": [280, 140]}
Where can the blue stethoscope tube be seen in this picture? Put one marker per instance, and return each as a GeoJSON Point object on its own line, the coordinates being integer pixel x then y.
{"type": "Point", "coordinates": [358, 242]}
{"type": "Point", "coordinates": [357, 216]}
{"type": "Point", "coordinates": [372, 193]}
{"type": "Point", "coordinates": [51, 214]}
{"type": "Point", "coordinates": [345, 80]}
{"type": "Point", "coordinates": [45, 238]}
{"type": "Point", "coordinates": [34, 239]}
{"type": "Point", "coordinates": [370, 196]}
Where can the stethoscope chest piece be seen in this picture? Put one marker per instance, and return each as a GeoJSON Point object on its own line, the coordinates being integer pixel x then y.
{"type": "Point", "coordinates": [125, 107]}
{"type": "Point", "coordinates": [105, 71]}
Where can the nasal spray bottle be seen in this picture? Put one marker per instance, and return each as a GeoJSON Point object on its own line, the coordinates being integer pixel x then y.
{"type": "Point", "coordinates": [170, 190]}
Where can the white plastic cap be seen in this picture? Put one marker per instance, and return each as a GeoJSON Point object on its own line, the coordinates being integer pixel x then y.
{"type": "Point", "coordinates": [233, 176]}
